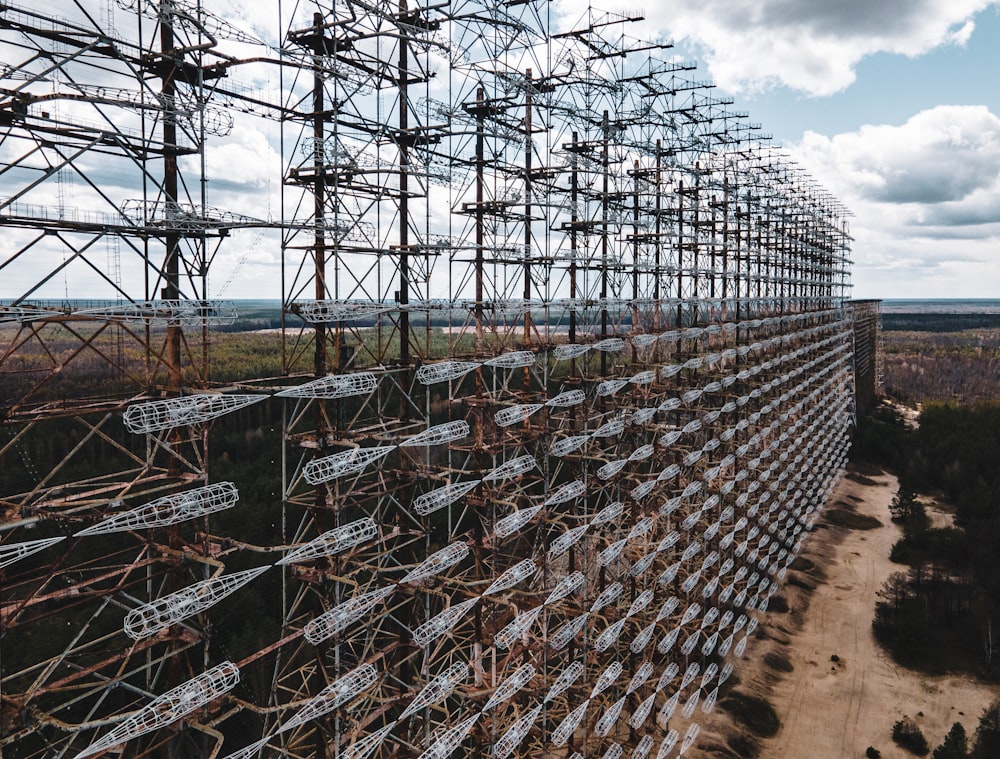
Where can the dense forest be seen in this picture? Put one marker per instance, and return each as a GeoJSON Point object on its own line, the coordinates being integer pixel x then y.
{"type": "Point", "coordinates": [942, 612]}
{"type": "Point", "coordinates": [941, 357]}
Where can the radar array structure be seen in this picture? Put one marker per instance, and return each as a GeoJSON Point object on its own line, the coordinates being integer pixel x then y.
{"type": "Point", "coordinates": [579, 382]}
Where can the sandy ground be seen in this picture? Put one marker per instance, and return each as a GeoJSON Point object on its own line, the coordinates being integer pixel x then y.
{"type": "Point", "coordinates": [836, 709]}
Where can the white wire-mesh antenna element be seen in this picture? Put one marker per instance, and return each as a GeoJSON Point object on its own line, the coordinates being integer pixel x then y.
{"type": "Point", "coordinates": [439, 433]}
{"type": "Point", "coordinates": [343, 463]}
{"type": "Point", "coordinates": [569, 350]}
{"type": "Point", "coordinates": [512, 360]}
{"type": "Point", "coordinates": [670, 438]}
{"type": "Point", "coordinates": [505, 417]}
{"type": "Point", "coordinates": [642, 453]}
{"type": "Point", "coordinates": [642, 341]}
{"type": "Point", "coordinates": [612, 552]}
{"type": "Point", "coordinates": [566, 586]}
{"type": "Point", "coordinates": [437, 562]}
{"type": "Point", "coordinates": [340, 616]}
{"type": "Point", "coordinates": [150, 618]}
{"type": "Point", "coordinates": [610, 428]}
{"type": "Point", "coordinates": [610, 636]}
{"type": "Point", "coordinates": [609, 345]}
{"type": "Point", "coordinates": [21, 315]}
{"type": "Point", "coordinates": [15, 551]}
{"type": "Point", "coordinates": [609, 718]}
{"type": "Point", "coordinates": [641, 601]}
{"type": "Point", "coordinates": [437, 499]}
{"type": "Point", "coordinates": [668, 473]}
{"type": "Point", "coordinates": [430, 374]}
{"type": "Point", "coordinates": [517, 573]}
{"type": "Point", "coordinates": [568, 631]}
{"type": "Point", "coordinates": [566, 492]}
{"type": "Point", "coordinates": [643, 415]}
{"type": "Point", "coordinates": [669, 742]}
{"type": "Point", "coordinates": [154, 416]}
{"type": "Point", "coordinates": [334, 541]}
{"type": "Point", "coordinates": [364, 747]}
{"type": "Point", "coordinates": [170, 707]}
{"type": "Point", "coordinates": [646, 377]}
{"type": "Point", "coordinates": [514, 522]}
{"type": "Point", "coordinates": [516, 628]}
{"type": "Point", "coordinates": [612, 468]}
{"type": "Point", "coordinates": [338, 692]}
{"type": "Point", "coordinates": [567, 398]}
{"type": "Point", "coordinates": [689, 738]}
{"type": "Point", "coordinates": [565, 680]}
{"type": "Point", "coordinates": [169, 510]}
{"type": "Point", "coordinates": [512, 468]}
{"type": "Point", "coordinates": [668, 675]}
{"type": "Point", "coordinates": [607, 678]}
{"type": "Point", "coordinates": [451, 739]}
{"type": "Point", "coordinates": [642, 748]}
{"type": "Point", "coordinates": [641, 490]}
{"type": "Point", "coordinates": [609, 513]}
{"type": "Point", "coordinates": [610, 387]}
{"type": "Point", "coordinates": [641, 527]}
{"type": "Point", "coordinates": [668, 709]}
{"type": "Point", "coordinates": [614, 751]}
{"type": "Point", "coordinates": [438, 689]}
{"type": "Point", "coordinates": [438, 625]}
{"type": "Point", "coordinates": [609, 595]}
{"type": "Point", "coordinates": [521, 677]}
{"type": "Point", "coordinates": [567, 445]}
{"type": "Point", "coordinates": [251, 751]}
{"type": "Point", "coordinates": [568, 726]}
{"type": "Point", "coordinates": [334, 386]}
{"type": "Point", "coordinates": [515, 734]}
{"type": "Point", "coordinates": [638, 718]}
{"type": "Point", "coordinates": [564, 542]}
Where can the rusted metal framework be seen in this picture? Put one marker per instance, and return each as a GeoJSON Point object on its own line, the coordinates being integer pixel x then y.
{"type": "Point", "coordinates": [567, 378]}
{"type": "Point", "coordinates": [866, 316]}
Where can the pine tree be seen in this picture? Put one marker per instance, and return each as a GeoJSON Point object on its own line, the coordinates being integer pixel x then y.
{"type": "Point", "coordinates": [987, 745]}
{"type": "Point", "coordinates": [904, 503]}
{"type": "Point", "coordinates": [955, 745]}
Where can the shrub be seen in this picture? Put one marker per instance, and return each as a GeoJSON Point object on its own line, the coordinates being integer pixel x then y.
{"type": "Point", "coordinates": [907, 735]}
{"type": "Point", "coordinates": [755, 713]}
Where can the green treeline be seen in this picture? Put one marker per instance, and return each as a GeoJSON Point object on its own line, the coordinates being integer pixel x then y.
{"type": "Point", "coordinates": [943, 612]}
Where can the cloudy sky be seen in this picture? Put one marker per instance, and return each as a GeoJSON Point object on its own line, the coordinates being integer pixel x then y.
{"type": "Point", "coordinates": [892, 105]}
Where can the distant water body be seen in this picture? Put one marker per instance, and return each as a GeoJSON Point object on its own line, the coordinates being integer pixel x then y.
{"type": "Point", "coordinates": [941, 306]}
{"type": "Point", "coordinates": [889, 305]}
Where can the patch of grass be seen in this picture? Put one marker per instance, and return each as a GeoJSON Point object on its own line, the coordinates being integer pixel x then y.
{"type": "Point", "coordinates": [851, 520]}
{"type": "Point", "coordinates": [754, 713]}
{"type": "Point", "coordinates": [808, 566]}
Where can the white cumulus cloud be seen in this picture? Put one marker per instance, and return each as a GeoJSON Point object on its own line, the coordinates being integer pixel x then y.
{"type": "Point", "coordinates": [926, 198]}
{"type": "Point", "coordinates": [808, 45]}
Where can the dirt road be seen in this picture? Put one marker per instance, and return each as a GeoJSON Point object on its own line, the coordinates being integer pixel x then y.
{"type": "Point", "coordinates": [834, 708]}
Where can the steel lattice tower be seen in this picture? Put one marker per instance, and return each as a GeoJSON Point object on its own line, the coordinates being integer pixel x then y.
{"type": "Point", "coordinates": [566, 380]}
